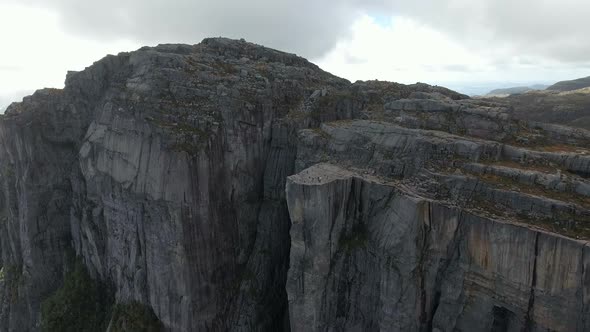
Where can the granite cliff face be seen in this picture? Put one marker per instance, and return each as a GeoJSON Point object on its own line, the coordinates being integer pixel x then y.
{"type": "Point", "coordinates": [228, 186]}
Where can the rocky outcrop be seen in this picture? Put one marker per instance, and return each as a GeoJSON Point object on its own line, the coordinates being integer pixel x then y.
{"type": "Point", "coordinates": [164, 171]}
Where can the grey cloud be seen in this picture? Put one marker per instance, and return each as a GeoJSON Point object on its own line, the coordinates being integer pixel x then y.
{"type": "Point", "coordinates": [354, 60]}
{"type": "Point", "coordinates": [554, 29]}
{"type": "Point", "coordinates": [307, 27]}
{"type": "Point", "coordinates": [456, 68]}
{"type": "Point", "coordinates": [9, 68]}
{"type": "Point", "coordinates": [450, 67]}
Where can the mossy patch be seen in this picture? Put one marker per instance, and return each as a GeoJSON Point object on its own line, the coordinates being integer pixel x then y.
{"type": "Point", "coordinates": [357, 238]}
{"type": "Point", "coordinates": [134, 316]}
{"type": "Point", "coordinates": [11, 275]}
{"type": "Point", "coordinates": [81, 304]}
{"type": "Point", "coordinates": [225, 68]}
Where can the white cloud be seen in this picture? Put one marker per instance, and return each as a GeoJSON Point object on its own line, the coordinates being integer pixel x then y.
{"type": "Point", "coordinates": [553, 29]}
{"type": "Point", "coordinates": [37, 53]}
{"type": "Point", "coordinates": [403, 51]}
{"type": "Point", "coordinates": [307, 27]}
{"type": "Point", "coordinates": [457, 43]}
{"type": "Point", "coordinates": [407, 51]}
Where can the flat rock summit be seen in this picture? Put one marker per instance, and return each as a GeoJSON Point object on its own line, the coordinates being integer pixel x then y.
{"type": "Point", "coordinates": [226, 186]}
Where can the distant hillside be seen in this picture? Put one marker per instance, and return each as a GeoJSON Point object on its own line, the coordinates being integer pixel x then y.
{"type": "Point", "coordinates": [516, 89]}
{"type": "Point", "coordinates": [570, 108]}
{"type": "Point", "coordinates": [580, 83]}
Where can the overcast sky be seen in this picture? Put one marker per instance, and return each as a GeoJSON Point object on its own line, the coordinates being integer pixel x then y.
{"type": "Point", "coordinates": [469, 45]}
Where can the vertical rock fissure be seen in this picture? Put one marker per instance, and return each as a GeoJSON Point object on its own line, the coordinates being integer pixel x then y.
{"type": "Point", "coordinates": [351, 213]}
{"type": "Point", "coordinates": [529, 321]}
{"type": "Point", "coordinates": [440, 273]}
{"type": "Point", "coordinates": [583, 298]}
{"type": "Point", "coordinates": [426, 229]}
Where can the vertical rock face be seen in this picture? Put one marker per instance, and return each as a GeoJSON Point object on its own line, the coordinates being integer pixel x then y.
{"type": "Point", "coordinates": [421, 230]}
{"type": "Point", "coordinates": [36, 154]}
{"type": "Point", "coordinates": [164, 170]}
{"type": "Point", "coordinates": [368, 254]}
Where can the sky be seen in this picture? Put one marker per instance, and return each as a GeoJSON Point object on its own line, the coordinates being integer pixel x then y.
{"type": "Point", "coordinates": [472, 46]}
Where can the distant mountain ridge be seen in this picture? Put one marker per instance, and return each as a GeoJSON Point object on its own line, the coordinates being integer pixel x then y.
{"type": "Point", "coordinates": [576, 84]}
{"type": "Point", "coordinates": [570, 108]}
{"type": "Point", "coordinates": [516, 89]}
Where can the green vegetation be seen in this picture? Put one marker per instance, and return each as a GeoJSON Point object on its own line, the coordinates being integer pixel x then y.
{"type": "Point", "coordinates": [356, 239]}
{"type": "Point", "coordinates": [224, 68]}
{"type": "Point", "coordinates": [548, 106]}
{"type": "Point", "coordinates": [134, 316]}
{"type": "Point", "coordinates": [190, 139]}
{"type": "Point", "coordinates": [263, 69]}
{"type": "Point", "coordinates": [81, 304]}
{"type": "Point", "coordinates": [8, 171]}
{"type": "Point", "coordinates": [320, 132]}
{"type": "Point", "coordinates": [507, 183]}
{"type": "Point", "coordinates": [333, 98]}
{"type": "Point", "coordinates": [13, 278]}
{"type": "Point", "coordinates": [561, 221]}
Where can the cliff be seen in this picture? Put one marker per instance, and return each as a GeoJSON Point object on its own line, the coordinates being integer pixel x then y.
{"type": "Point", "coordinates": [228, 186]}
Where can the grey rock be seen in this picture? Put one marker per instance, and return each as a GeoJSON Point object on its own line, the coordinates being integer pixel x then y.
{"type": "Point", "coordinates": [369, 254]}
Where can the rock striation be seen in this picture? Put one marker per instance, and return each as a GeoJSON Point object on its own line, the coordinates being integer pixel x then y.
{"type": "Point", "coordinates": [226, 186]}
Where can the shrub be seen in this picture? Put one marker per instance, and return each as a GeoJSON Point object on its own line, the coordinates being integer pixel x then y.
{"type": "Point", "coordinates": [134, 316]}
{"type": "Point", "coordinates": [81, 304]}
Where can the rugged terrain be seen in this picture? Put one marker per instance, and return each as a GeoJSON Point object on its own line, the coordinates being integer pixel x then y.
{"type": "Point", "coordinates": [228, 186]}
{"type": "Point", "coordinates": [571, 108]}
{"type": "Point", "coordinates": [571, 85]}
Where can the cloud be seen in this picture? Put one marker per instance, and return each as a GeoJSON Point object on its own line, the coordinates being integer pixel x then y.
{"type": "Point", "coordinates": [406, 41]}
{"type": "Point", "coordinates": [308, 27]}
{"type": "Point", "coordinates": [403, 51]}
{"type": "Point", "coordinates": [553, 29]}
{"type": "Point", "coordinates": [407, 51]}
{"type": "Point", "coordinates": [37, 53]}
{"type": "Point", "coordinates": [4, 68]}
